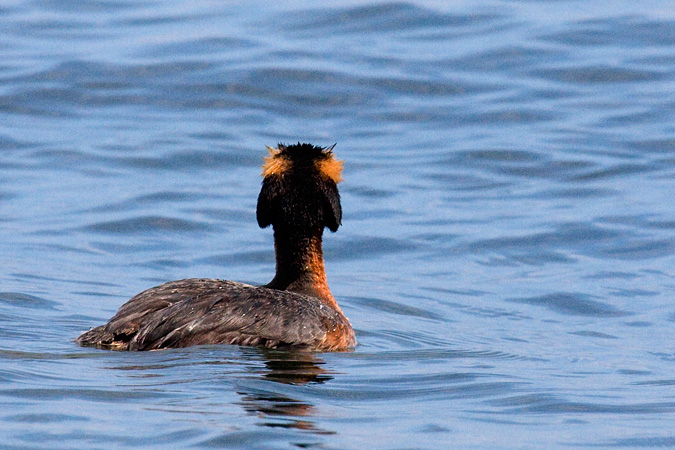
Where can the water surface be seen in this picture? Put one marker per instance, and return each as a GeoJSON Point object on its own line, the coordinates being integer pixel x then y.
{"type": "Point", "coordinates": [507, 251]}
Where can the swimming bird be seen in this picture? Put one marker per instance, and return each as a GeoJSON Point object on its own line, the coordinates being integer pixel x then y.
{"type": "Point", "coordinates": [299, 198]}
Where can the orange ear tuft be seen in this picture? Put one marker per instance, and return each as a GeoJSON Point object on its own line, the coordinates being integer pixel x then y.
{"type": "Point", "coordinates": [330, 168]}
{"type": "Point", "coordinates": [274, 163]}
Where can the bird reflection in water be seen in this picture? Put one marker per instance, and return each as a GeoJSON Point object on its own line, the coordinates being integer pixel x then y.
{"type": "Point", "coordinates": [286, 367]}
{"type": "Point", "coordinates": [268, 375]}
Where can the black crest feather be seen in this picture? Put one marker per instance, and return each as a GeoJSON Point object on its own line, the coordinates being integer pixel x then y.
{"type": "Point", "coordinates": [299, 188]}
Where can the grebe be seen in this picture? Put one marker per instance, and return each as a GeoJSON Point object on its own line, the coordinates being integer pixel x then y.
{"type": "Point", "coordinates": [299, 197]}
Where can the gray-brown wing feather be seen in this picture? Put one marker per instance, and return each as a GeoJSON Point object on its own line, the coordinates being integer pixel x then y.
{"type": "Point", "coordinates": [214, 312]}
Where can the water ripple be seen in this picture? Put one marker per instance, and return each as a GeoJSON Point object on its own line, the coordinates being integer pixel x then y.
{"type": "Point", "coordinates": [599, 74]}
{"type": "Point", "coordinates": [383, 18]}
{"type": "Point", "coordinates": [547, 404]}
{"type": "Point", "coordinates": [625, 31]}
{"type": "Point", "coordinates": [17, 299]}
{"type": "Point", "coordinates": [148, 224]}
{"type": "Point", "coordinates": [574, 304]}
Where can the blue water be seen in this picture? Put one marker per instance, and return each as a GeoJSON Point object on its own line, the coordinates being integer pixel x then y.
{"type": "Point", "coordinates": [508, 251]}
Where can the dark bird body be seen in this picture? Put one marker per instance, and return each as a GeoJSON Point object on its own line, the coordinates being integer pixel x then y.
{"type": "Point", "coordinates": [299, 197]}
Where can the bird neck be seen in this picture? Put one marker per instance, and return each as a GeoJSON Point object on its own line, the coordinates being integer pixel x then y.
{"type": "Point", "coordinates": [300, 266]}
